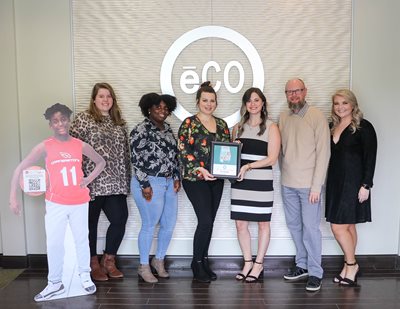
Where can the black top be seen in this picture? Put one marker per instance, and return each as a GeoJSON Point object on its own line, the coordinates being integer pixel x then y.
{"type": "Point", "coordinates": [351, 165]}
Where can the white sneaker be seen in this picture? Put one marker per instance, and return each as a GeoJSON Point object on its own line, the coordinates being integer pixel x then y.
{"type": "Point", "coordinates": [87, 283]}
{"type": "Point", "coordinates": [50, 290]}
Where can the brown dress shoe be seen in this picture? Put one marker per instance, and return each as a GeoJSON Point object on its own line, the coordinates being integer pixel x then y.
{"type": "Point", "coordinates": [96, 271]}
{"type": "Point", "coordinates": [108, 264]}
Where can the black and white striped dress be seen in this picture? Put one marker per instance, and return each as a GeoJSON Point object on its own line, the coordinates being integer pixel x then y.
{"type": "Point", "coordinates": [252, 198]}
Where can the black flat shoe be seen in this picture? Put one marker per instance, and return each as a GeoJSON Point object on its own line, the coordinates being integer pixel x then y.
{"type": "Point", "coordinates": [241, 276]}
{"type": "Point", "coordinates": [254, 279]}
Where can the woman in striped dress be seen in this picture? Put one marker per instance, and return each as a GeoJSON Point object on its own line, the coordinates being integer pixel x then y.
{"type": "Point", "coordinates": [253, 193]}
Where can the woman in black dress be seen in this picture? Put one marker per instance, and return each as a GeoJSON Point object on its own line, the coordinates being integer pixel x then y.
{"type": "Point", "coordinates": [350, 174]}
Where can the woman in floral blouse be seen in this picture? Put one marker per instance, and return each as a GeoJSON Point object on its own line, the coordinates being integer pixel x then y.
{"type": "Point", "coordinates": [203, 190]}
{"type": "Point", "coordinates": [157, 180]}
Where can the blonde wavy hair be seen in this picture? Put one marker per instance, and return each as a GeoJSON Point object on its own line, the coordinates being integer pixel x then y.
{"type": "Point", "coordinates": [356, 115]}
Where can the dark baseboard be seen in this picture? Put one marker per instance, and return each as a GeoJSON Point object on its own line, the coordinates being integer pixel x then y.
{"type": "Point", "coordinates": [15, 262]}
{"type": "Point", "coordinates": [221, 263]}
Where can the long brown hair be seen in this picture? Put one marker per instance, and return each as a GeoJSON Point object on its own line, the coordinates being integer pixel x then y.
{"type": "Point", "coordinates": [115, 112]}
{"type": "Point", "coordinates": [356, 114]}
{"type": "Point", "coordinates": [245, 114]}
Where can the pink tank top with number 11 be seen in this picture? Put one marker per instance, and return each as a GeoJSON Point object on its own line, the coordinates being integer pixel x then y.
{"type": "Point", "coordinates": [64, 167]}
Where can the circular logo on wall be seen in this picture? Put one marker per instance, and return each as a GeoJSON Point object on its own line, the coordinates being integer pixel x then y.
{"type": "Point", "coordinates": [192, 78]}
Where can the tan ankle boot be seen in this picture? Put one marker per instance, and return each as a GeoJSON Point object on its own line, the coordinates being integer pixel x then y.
{"type": "Point", "coordinates": [158, 265]}
{"type": "Point", "coordinates": [145, 274]}
{"type": "Point", "coordinates": [108, 264]}
{"type": "Point", "coordinates": [96, 271]}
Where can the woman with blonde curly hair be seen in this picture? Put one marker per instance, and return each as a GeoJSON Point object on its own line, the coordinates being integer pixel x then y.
{"type": "Point", "coordinates": [350, 178]}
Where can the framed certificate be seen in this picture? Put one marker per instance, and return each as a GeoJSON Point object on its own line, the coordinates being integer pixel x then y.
{"type": "Point", "coordinates": [225, 159]}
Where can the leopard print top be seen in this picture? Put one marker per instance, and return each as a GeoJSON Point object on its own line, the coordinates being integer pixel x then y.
{"type": "Point", "coordinates": [111, 142]}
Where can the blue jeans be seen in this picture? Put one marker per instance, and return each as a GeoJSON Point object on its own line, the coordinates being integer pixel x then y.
{"type": "Point", "coordinates": [303, 220]}
{"type": "Point", "coordinates": [162, 208]}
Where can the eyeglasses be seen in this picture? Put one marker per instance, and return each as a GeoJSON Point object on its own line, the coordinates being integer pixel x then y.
{"type": "Point", "coordinates": [296, 91]}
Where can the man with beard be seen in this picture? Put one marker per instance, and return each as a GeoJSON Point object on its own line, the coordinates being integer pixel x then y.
{"type": "Point", "coordinates": [305, 157]}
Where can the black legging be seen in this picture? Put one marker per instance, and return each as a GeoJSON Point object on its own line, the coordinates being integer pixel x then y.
{"type": "Point", "coordinates": [115, 208]}
{"type": "Point", "coordinates": [205, 197]}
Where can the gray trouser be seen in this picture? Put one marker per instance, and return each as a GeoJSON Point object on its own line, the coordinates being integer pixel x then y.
{"type": "Point", "coordinates": [303, 220]}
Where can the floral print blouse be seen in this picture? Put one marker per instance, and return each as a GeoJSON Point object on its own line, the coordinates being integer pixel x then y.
{"type": "Point", "coordinates": [154, 152]}
{"type": "Point", "coordinates": [194, 144]}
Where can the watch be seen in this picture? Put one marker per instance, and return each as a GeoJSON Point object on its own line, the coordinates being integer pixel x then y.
{"type": "Point", "coordinates": [366, 187]}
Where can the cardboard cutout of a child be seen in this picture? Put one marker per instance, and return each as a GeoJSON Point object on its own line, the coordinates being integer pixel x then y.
{"type": "Point", "coordinates": [66, 199]}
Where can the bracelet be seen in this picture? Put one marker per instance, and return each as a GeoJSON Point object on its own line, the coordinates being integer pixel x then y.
{"type": "Point", "coordinates": [249, 167]}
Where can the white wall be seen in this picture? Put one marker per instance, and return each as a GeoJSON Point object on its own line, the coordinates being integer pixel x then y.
{"type": "Point", "coordinates": [36, 71]}
{"type": "Point", "coordinates": [375, 81]}
{"type": "Point", "coordinates": [130, 60]}
{"type": "Point", "coordinates": [10, 225]}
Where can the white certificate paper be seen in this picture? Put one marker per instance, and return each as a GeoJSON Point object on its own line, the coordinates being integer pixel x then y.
{"type": "Point", "coordinates": [225, 169]}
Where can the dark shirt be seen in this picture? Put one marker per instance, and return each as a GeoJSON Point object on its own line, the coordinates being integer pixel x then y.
{"type": "Point", "coordinates": [352, 164]}
{"type": "Point", "coordinates": [154, 152]}
{"type": "Point", "coordinates": [195, 145]}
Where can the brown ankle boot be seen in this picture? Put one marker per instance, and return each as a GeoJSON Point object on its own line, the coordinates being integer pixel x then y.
{"type": "Point", "coordinates": [96, 271]}
{"type": "Point", "coordinates": [158, 265]}
{"type": "Point", "coordinates": [145, 274]}
{"type": "Point", "coordinates": [108, 264]}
